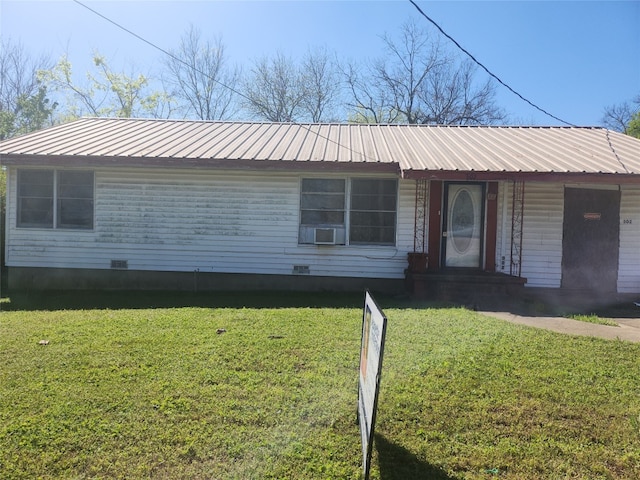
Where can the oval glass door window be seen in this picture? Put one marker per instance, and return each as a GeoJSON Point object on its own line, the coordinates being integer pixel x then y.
{"type": "Point", "coordinates": [462, 221]}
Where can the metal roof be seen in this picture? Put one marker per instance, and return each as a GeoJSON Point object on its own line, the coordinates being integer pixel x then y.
{"type": "Point", "coordinates": [413, 149]}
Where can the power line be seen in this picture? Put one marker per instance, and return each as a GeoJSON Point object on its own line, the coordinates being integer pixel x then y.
{"type": "Point", "coordinates": [239, 93]}
{"type": "Point", "coordinates": [153, 45]}
{"type": "Point", "coordinates": [486, 69]}
{"type": "Point", "coordinates": [178, 59]}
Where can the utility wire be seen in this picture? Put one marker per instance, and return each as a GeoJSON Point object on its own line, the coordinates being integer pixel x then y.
{"type": "Point", "coordinates": [615, 153]}
{"type": "Point", "coordinates": [153, 45]}
{"type": "Point", "coordinates": [486, 69]}
{"type": "Point", "coordinates": [237, 92]}
{"type": "Point", "coordinates": [178, 59]}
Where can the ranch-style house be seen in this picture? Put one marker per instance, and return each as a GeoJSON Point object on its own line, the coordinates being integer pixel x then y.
{"type": "Point", "coordinates": [161, 204]}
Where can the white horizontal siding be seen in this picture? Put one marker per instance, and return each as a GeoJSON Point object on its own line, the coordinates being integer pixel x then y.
{"type": "Point", "coordinates": [629, 263]}
{"type": "Point", "coordinates": [406, 215]}
{"type": "Point", "coordinates": [223, 222]}
{"type": "Point", "coordinates": [195, 210]}
{"type": "Point", "coordinates": [542, 234]}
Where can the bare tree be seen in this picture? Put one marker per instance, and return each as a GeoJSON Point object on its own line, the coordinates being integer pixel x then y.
{"type": "Point", "coordinates": [274, 90]}
{"type": "Point", "coordinates": [452, 97]}
{"type": "Point", "coordinates": [617, 117]}
{"type": "Point", "coordinates": [18, 73]}
{"type": "Point", "coordinates": [369, 103]}
{"type": "Point", "coordinates": [418, 82]}
{"type": "Point", "coordinates": [321, 84]}
{"type": "Point", "coordinates": [24, 102]}
{"type": "Point", "coordinates": [280, 89]}
{"type": "Point", "coordinates": [199, 76]}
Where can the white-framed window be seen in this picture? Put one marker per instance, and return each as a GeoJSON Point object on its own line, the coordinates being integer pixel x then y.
{"type": "Point", "coordinates": [322, 210]}
{"type": "Point", "coordinates": [35, 198]}
{"type": "Point", "coordinates": [357, 211]}
{"type": "Point", "coordinates": [57, 199]}
{"type": "Point", "coordinates": [372, 214]}
{"type": "Point", "coordinates": [322, 201]}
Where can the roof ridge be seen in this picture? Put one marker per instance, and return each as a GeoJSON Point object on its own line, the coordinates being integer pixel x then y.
{"type": "Point", "coordinates": [395, 125]}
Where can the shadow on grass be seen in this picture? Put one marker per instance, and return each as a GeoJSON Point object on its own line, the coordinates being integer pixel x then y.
{"type": "Point", "coordinates": [114, 300]}
{"type": "Point", "coordinates": [624, 310]}
{"type": "Point", "coordinates": [397, 463]}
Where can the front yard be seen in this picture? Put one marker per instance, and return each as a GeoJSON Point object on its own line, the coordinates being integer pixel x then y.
{"type": "Point", "coordinates": [265, 386]}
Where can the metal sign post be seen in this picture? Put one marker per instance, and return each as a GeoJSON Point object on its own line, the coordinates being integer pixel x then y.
{"type": "Point", "coordinates": [374, 327]}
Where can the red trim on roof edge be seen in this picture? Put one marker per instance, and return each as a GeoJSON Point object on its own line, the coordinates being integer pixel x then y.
{"type": "Point", "coordinates": [609, 178]}
{"type": "Point", "coordinates": [240, 164]}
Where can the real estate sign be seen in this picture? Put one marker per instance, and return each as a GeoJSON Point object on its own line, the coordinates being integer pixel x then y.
{"type": "Point", "coordinates": [374, 327]}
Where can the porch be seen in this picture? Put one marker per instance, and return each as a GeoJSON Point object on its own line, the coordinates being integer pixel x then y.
{"type": "Point", "coordinates": [467, 287]}
{"type": "Point", "coordinates": [487, 291]}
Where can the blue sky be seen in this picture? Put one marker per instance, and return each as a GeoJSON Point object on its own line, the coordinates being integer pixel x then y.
{"type": "Point", "coordinates": [571, 58]}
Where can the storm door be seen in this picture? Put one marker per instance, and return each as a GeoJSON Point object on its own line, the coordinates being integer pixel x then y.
{"type": "Point", "coordinates": [590, 239]}
{"type": "Point", "coordinates": [463, 225]}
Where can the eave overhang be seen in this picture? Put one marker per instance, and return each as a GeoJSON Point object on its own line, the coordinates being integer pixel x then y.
{"type": "Point", "coordinates": [485, 176]}
{"type": "Point", "coordinates": [198, 163]}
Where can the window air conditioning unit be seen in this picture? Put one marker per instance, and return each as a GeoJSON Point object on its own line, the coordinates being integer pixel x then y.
{"type": "Point", "coordinates": [324, 236]}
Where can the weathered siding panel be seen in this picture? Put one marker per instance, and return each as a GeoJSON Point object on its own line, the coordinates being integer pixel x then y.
{"type": "Point", "coordinates": [406, 217]}
{"type": "Point", "coordinates": [219, 212]}
{"type": "Point", "coordinates": [629, 264]}
{"type": "Point", "coordinates": [542, 234]}
{"type": "Point", "coordinates": [222, 222]}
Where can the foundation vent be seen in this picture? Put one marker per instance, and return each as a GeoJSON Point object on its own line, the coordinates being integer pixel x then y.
{"type": "Point", "coordinates": [119, 264]}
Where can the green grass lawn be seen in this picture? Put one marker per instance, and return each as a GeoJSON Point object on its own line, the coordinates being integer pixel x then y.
{"type": "Point", "coordinates": [147, 390]}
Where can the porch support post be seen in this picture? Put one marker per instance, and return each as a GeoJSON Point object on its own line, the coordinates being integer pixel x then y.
{"type": "Point", "coordinates": [419, 232]}
{"type": "Point", "coordinates": [435, 224]}
{"type": "Point", "coordinates": [517, 216]}
{"type": "Point", "coordinates": [492, 227]}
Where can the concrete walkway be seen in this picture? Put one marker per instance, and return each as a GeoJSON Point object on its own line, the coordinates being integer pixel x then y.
{"type": "Point", "coordinates": [628, 329]}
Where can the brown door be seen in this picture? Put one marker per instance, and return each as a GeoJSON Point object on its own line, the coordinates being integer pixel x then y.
{"type": "Point", "coordinates": [590, 239]}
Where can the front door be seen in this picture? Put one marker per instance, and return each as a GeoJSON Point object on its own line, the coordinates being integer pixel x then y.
{"type": "Point", "coordinates": [462, 225]}
{"type": "Point", "coordinates": [590, 239]}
